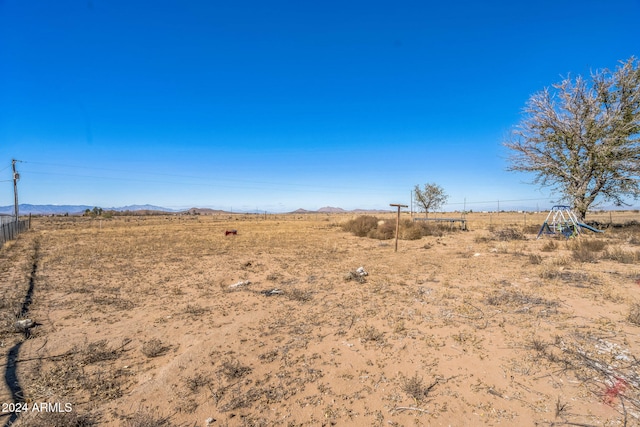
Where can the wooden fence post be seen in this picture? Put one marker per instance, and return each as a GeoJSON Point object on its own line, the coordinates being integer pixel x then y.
{"type": "Point", "coordinates": [398, 222]}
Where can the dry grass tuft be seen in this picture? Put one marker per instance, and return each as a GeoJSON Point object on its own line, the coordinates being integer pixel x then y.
{"type": "Point", "coordinates": [535, 259]}
{"type": "Point", "coordinates": [549, 246]}
{"type": "Point", "coordinates": [507, 234]}
{"type": "Point", "coordinates": [99, 351]}
{"type": "Point", "coordinates": [634, 314]}
{"type": "Point", "coordinates": [414, 387]}
{"type": "Point", "coordinates": [153, 348]}
{"type": "Point", "coordinates": [300, 295]}
{"type": "Point", "coordinates": [587, 250]}
{"type": "Point", "coordinates": [518, 298]}
{"type": "Point", "coordinates": [361, 226]}
{"type": "Point", "coordinates": [232, 369]}
{"type": "Point", "coordinates": [197, 381]}
{"type": "Point", "coordinates": [147, 418]}
{"type": "Point", "coordinates": [622, 256]}
{"type": "Point", "coordinates": [57, 419]}
{"type": "Point", "coordinates": [370, 334]}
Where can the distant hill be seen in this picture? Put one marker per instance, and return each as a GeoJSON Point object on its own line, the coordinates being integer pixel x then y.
{"type": "Point", "coordinates": [141, 208]}
{"type": "Point", "coordinates": [329, 209]}
{"type": "Point", "coordinates": [26, 209]}
{"type": "Point", "coordinates": [205, 211]}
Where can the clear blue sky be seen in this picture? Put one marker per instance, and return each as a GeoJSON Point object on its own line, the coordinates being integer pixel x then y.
{"type": "Point", "coordinates": [276, 105]}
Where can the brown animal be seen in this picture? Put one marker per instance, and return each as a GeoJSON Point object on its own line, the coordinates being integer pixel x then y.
{"type": "Point", "coordinates": [232, 232]}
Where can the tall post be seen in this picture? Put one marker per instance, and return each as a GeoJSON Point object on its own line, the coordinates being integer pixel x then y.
{"type": "Point", "coordinates": [398, 222]}
{"type": "Point", "coordinates": [411, 209]}
{"type": "Point", "coordinates": [16, 177]}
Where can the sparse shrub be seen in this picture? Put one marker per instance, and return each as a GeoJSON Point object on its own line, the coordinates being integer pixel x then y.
{"type": "Point", "coordinates": [232, 369]}
{"type": "Point", "coordinates": [531, 229]}
{"type": "Point", "coordinates": [370, 333]}
{"type": "Point", "coordinates": [62, 419]}
{"type": "Point", "coordinates": [409, 230]}
{"type": "Point", "coordinates": [299, 295]}
{"type": "Point", "coordinates": [507, 234]}
{"type": "Point", "coordinates": [586, 250]}
{"type": "Point", "coordinates": [361, 225]}
{"type": "Point", "coordinates": [593, 245]}
{"type": "Point", "coordinates": [195, 310]}
{"type": "Point", "coordinates": [549, 246]}
{"type": "Point", "coordinates": [356, 276]}
{"type": "Point", "coordinates": [99, 351]}
{"type": "Point", "coordinates": [384, 231]}
{"type": "Point", "coordinates": [538, 345]}
{"type": "Point", "coordinates": [197, 381]}
{"type": "Point", "coordinates": [634, 314]}
{"type": "Point", "coordinates": [435, 229]}
{"type": "Point", "coordinates": [147, 418]}
{"type": "Point", "coordinates": [622, 256]}
{"type": "Point", "coordinates": [106, 384]}
{"type": "Point", "coordinates": [153, 348]}
{"type": "Point", "coordinates": [510, 297]}
{"type": "Point", "coordinates": [482, 239]}
{"type": "Point", "coordinates": [414, 387]}
{"type": "Point", "coordinates": [535, 259]}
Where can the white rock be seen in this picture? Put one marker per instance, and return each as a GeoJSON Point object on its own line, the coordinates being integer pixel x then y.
{"type": "Point", "coordinates": [25, 324]}
{"type": "Point", "coordinates": [361, 272]}
{"type": "Point", "coordinates": [239, 284]}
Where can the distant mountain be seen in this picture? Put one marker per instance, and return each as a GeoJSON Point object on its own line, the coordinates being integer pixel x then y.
{"type": "Point", "coordinates": [26, 209]}
{"type": "Point", "coordinates": [329, 209]}
{"type": "Point", "coordinates": [205, 211]}
{"type": "Point", "coordinates": [141, 208]}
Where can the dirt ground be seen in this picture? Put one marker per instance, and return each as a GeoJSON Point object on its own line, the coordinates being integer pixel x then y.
{"type": "Point", "coordinates": [167, 321]}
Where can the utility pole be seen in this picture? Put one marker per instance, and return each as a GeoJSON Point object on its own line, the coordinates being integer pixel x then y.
{"type": "Point", "coordinates": [16, 177]}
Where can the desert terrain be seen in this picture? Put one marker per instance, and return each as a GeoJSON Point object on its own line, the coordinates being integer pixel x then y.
{"type": "Point", "coordinates": [168, 321]}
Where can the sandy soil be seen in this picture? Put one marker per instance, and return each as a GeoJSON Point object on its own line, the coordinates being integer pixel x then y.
{"type": "Point", "coordinates": [166, 321]}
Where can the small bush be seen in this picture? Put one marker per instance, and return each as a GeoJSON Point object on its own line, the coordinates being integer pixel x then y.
{"type": "Point", "coordinates": [409, 230]}
{"type": "Point", "coordinates": [507, 234]}
{"type": "Point", "coordinates": [384, 231]}
{"type": "Point", "coordinates": [415, 388]}
{"type": "Point", "coordinates": [591, 245]}
{"type": "Point", "coordinates": [153, 348]}
{"type": "Point", "coordinates": [585, 255]}
{"type": "Point", "coordinates": [99, 351]}
{"type": "Point", "coordinates": [48, 419]}
{"type": "Point", "coordinates": [549, 246]}
{"type": "Point", "coordinates": [535, 259]}
{"type": "Point", "coordinates": [296, 294]}
{"type": "Point", "coordinates": [196, 382]}
{"type": "Point", "coordinates": [361, 226]}
{"type": "Point", "coordinates": [622, 256]}
{"type": "Point", "coordinates": [232, 369]}
{"type": "Point", "coordinates": [146, 418]}
{"type": "Point", "coordinates": [370, 333]}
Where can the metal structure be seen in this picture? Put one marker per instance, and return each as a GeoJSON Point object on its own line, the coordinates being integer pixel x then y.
{"type": "Point", "coordinates": [562, 220]}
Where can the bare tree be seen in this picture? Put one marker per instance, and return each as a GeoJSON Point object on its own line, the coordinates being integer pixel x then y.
{"type": "Point", "coordinates": [430, 197]}
{"type": "Point", "coordinates": [582, 138]}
